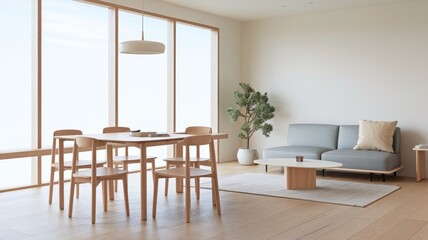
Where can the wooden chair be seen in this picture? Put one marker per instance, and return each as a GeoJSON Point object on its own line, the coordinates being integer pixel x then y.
{"type": "Point", "coordinates": [196, 161]}
{"type": "Point", "coordinates": [95, 175]}
{"type": "Point", "coordinates": [187, 172]}
{"type": "Point", "coordinates": [67, 164]}
{"type": "Point", "coordinates": [124, 160]}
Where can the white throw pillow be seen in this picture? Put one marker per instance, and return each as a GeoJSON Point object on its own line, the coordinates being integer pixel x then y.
{"type": "Point", "coordinates": [376, 135]}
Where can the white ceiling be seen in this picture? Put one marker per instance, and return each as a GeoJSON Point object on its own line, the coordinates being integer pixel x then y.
{"type": "Point", "coordinates": [248, 10]}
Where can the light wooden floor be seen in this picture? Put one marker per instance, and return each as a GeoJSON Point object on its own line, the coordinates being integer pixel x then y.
{"type": "Point", "coordinates": [26, 214]}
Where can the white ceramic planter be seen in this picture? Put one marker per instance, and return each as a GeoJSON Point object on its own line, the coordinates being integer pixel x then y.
{"type": "Point", "coordinates": [246, 156]}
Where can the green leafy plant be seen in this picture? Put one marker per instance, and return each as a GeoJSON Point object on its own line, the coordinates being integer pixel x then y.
{"type": "Point", "coordinates": [255, 109]}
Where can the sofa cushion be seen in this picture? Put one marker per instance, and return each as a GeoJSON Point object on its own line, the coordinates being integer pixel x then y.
{"type": "Point", "coordinates": [348, 137]}
{"type": "Point", "coordinates": [376, 135]}
{"type": "Point", "coordinates": [363, 159]}
{"type": "Point", "coordinates": [313, 135]}
{"type": "Point", "coordinates": [293, 151]}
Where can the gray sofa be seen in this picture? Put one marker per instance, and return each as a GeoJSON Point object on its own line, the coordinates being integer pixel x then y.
{"type": "Point", "coordinates": [335, 143]}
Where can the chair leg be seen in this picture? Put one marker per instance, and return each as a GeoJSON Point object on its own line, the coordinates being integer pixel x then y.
{"type": "Point", "coordinates": [179, 182]}
{"type": "Point", "coordinates": [94, 200]}
{"type": "Point", "coordinates": [125, 193]}
{"type": "Point", "coordinates": [70, 207]}
{"type": "Point", "coordinates": [77, 190]}
{"type": "Point", "coordinates": [166, 181]}
{"type": "Point", "coordinates": [115, 181]}
{"type": "Point", "coordinates": [213, 196]}
{"type": "Point", "coordinates": [217, 194]}
{"type": "Point", "coordinates": [187, 200]}
{"type": "Point", "coordinates": [104, 186]}
{"type": "Point", "coordinates": [197, 188]}
{"type": "Point", "coordinates": [51, 183]}
{"type": "Point", "coordinates": [155, 194]}
{"type": "Point", "coordinates": [111, 189]}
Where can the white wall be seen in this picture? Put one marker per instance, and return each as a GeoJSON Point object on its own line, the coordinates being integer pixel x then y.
{"type": "Point", "coordinates": [342, 66]}
{"type": "Point", "coordinates": [229, 58]}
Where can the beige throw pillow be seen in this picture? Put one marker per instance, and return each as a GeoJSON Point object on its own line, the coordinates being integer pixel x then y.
{"type": "Point", "coordinates": [376, 135]}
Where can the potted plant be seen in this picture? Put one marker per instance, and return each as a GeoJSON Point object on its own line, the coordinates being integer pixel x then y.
{"type": "Point", "coordinates": [255, 110]}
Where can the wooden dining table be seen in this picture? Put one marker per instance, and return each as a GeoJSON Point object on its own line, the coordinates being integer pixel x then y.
{"type": "Point", "coordinates": [124, 138]}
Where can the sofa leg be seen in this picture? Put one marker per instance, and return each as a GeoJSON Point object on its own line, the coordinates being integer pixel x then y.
{"type": "Point", "coordinates": [371, 177]}
{"type": "Point", "coordinates": [395, 174]}
{"type": "Point", "coordinates": [383, 177]}
{"type": "Point", "coordinates": [323, 172]}
{"type": "Point", "coordinates": [266, 168]}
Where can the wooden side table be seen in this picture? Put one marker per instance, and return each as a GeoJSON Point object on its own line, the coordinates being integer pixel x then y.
{"type": "Point", "coordinates": [420, 163]}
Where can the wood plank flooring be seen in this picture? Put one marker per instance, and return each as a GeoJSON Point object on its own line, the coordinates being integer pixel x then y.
{"type": "Point", "coordinates": [26, 214]}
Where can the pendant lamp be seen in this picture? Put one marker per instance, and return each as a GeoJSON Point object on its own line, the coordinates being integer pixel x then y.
{"type": "Point", "coordinates": [141, 46]}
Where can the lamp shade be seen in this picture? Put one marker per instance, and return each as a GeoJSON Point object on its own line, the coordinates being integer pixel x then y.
{"type": "Point", "coordinates": [141, 47]}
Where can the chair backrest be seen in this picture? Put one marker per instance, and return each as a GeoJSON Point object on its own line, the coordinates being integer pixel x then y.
{"type": "Point", "coordinates": [198, 130]}
{"type": "Point", "coordinates": [86, 142]}
{"type": "Point", "coordinates": [62, 132]}
{"type": "Point", "coordinates": [115, 129]}
{"type": "Point", "coordinates": [65, 132]}
{"type": "Point", "coordinates": [199, 140]}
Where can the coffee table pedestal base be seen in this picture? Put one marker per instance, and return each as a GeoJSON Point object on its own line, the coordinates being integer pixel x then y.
{"type": "Point", "coordinates": [299, 178]}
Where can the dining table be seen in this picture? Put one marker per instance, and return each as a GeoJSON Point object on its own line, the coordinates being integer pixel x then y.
{"type": "Point", "coordinates": [124, 138]}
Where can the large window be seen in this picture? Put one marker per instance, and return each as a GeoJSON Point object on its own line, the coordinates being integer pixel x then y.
{"type": "Point", "coordinates": [16, 81]}
{"type": "Point", "coordinates": [75, 69]}
{"type": "Point", "coordinates": [77, 63]}
{"type": "Point", "coordinates": [143, 79]}
{"type": "Point", "coordinates": [15, 90]}
{"type": "Point", "coordinates": [193, 79]}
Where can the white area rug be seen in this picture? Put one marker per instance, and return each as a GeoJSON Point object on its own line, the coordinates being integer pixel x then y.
{"type": "Point", "coordinates": [328, 191]}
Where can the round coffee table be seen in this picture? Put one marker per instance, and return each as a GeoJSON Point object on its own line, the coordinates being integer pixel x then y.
{"type": "Point", "coordinates": [299, 175]}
